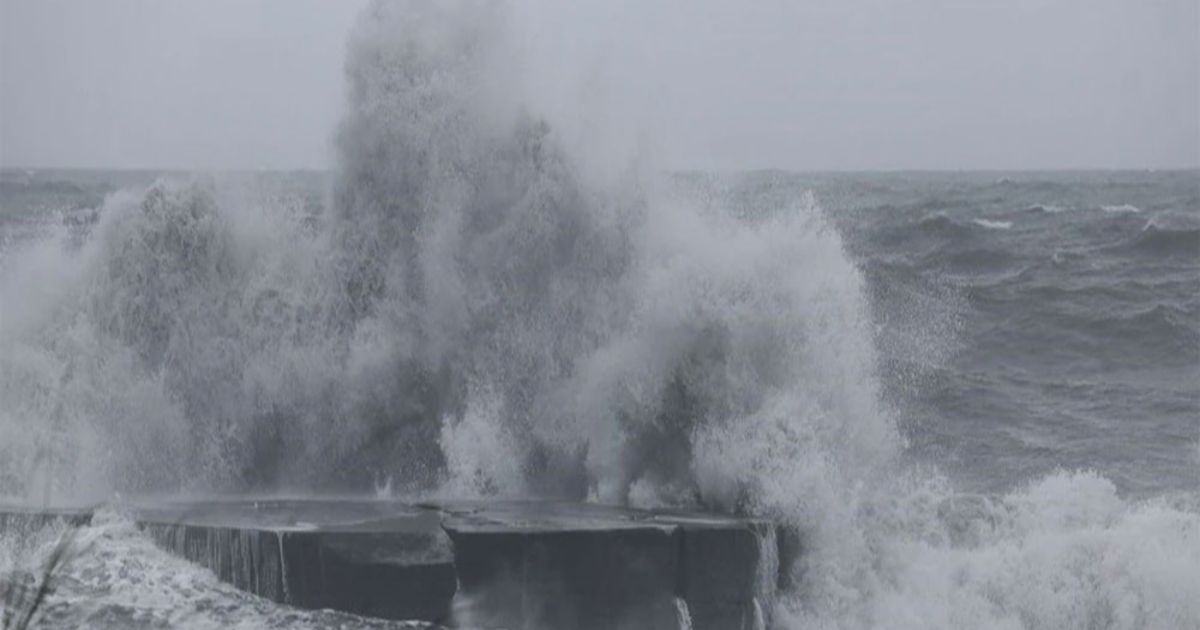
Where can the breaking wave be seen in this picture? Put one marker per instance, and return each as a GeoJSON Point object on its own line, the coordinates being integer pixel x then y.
{"type": "Point", "coordinates": [993, 225]}
{"type": "Point", "coordinates": [467, 314]}
{"type": "Point", "coordinates": [473, 315]}
{"type": "Point", "coordinates": [1047, 208]}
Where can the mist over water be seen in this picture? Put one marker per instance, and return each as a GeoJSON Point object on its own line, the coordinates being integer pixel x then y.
{"type": "Point", "coordinates": [467, 314]}
{"type": "Point", "coordinates": [472, 310]}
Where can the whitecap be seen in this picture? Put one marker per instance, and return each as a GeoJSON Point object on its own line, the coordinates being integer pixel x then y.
{"type": "Point", "coordinates": [1047, 208]}
{"type": "Point", "coordinates": [1121, 208]}
{"type": "Point", "coordinates": [993, 225]}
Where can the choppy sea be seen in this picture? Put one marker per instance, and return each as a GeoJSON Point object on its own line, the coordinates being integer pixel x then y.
{"type": "Point", "coordinates": [1035, 337]}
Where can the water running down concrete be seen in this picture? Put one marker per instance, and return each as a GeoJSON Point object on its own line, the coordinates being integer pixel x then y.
{"type": "Point", "coordinates": [470, 564]}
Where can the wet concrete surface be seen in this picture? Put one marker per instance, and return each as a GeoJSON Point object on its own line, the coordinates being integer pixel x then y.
{"type": "Point", "coordinates": [501, 564]}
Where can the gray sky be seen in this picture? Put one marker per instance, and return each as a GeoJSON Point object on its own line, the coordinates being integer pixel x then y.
{"type": "Point", "coordinates": [815, 84]}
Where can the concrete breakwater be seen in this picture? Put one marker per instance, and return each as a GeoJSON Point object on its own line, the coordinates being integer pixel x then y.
{"type": "Point", "coordinates": [507, 564]}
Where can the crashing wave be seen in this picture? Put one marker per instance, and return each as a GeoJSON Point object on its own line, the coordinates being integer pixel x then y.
{"type": "Point", "coordinates": [468, 314]}
{"type": "Point", "coordinates": [473, 316]}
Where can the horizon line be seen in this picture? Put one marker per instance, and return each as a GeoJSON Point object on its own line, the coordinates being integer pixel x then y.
{"type": "Point", "coordinates": [685, 170]}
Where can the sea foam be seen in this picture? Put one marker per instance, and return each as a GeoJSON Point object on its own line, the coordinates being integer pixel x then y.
{"type": "Point", "coordinates": [472, 316]}
{"type": "Point", "coordinates": [993, 225]}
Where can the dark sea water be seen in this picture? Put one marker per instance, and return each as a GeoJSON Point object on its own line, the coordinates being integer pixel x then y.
{"type": "Point", "coordinates": [1028, 321]}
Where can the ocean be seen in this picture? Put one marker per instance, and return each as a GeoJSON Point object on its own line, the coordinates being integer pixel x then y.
{"type": "Point", "coordinates": [973, 397]}
{"type": "Point", "coordinates": [1037, 347]}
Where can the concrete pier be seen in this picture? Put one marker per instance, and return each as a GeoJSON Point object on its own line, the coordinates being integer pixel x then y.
{"type": "Point", "coordinates": [509, 564]}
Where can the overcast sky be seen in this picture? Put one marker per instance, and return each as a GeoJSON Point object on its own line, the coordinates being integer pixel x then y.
{"type": "Point", "coordinates": [808, 84]}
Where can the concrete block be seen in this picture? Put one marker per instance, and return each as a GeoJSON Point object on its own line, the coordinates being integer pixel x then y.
{"type": "Point", "coordinates": [521, 565]}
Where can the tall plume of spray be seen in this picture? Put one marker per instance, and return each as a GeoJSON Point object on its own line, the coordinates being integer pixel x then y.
{"type": "Point", "coordinates": [603, 340]}
{"type": "Point", "coordinates": [474, 314]}
{"type": "Point", "coordinates": [471, 314]}
{"type": "Point", "coordinates": [607, 340]}
{"type": "Point", "coordinates": [568, 337]}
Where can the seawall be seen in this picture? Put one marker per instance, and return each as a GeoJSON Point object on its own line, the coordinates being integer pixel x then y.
{"type": "Point", "coordinates": [511, 564]}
